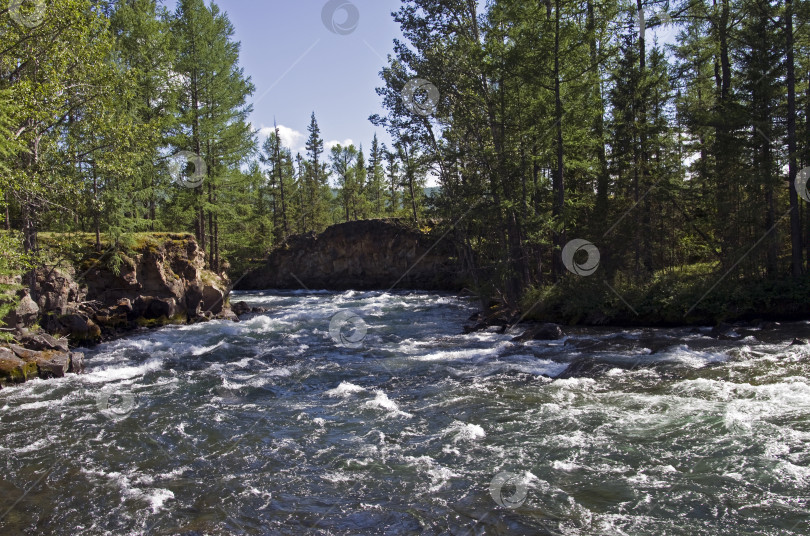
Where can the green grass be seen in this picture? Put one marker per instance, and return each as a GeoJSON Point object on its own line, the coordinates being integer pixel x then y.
{"type": "Point", "coordinates": [693, 294]}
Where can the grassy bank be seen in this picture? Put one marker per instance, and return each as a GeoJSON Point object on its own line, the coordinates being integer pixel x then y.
{"type": "Point", "coordinates": [695, 294]}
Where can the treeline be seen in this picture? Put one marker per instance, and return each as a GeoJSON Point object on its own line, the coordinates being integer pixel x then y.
{"type": "Point", "coordinates": [560, 119]}
{"type": "Point", "coordinates": [122, 116]}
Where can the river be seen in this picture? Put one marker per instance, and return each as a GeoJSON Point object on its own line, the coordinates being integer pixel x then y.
{"type": "Point", "coordinates": [369, 413]}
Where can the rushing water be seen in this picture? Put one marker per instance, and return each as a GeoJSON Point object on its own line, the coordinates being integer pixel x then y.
{"type": "Point", "coordinates": [271, 426]}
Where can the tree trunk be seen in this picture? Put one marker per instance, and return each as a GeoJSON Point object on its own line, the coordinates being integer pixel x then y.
{"type": "Point", "coordinates": [726, 195]}
{"type": "Point", "coordinates": [603, 176]}
{"type": "Point", "coordinates": [558, 183]}
{"type": "Point", "coordinates": [796, 263]}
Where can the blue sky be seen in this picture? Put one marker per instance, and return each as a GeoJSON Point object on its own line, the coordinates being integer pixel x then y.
{"type": "Point", "coordinates": [299, 66]}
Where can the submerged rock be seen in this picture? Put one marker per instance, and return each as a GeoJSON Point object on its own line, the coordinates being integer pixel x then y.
{"type": "Point", "coordinates": [542, 332]}
{"type": "Point", "coordinates": [585, 367]}
{"type": "Point", "coordinates": [241, 308]}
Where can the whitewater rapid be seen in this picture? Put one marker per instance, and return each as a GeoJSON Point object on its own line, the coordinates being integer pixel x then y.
{"type": "Point", "coordinates": [393, 422]}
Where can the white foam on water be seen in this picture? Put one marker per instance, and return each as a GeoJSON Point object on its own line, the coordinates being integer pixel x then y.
{"type": "Point", "coordinates": [439, 477]}
{"type": "Point", "coordinates": [693, 358]}
{"type": "Point", "coordinates": [156, 497]}
{"type": "Point", "coordinates": [202, 350]}
{"type": "Point", "coordinates": [258, 324]}
{"type": "Point", "coordinates": [462, 431]}
{"type": "Point", "coordinates": [33, 447]}
{"type": "Point", "coordinates": [455, 355]}
{"type": "Point", "coordinates": [174, 473]}
{"type": "Point", "coordinates": [381, 401]}
{"type": "Point", "coordinates": [566, 466]}
{"type": "Point", "coordinates": [345, 389]}
{"type": "Point", "coordinates": [579, 384]}
{"type": "Point", "coordinates": [538, 367]}
{"type": "Point", "coordinates": [338, 477]}
{"type": "Point", "coordinates": [111, 374]}
{"type": "Point", "coordinates": [39, 404]}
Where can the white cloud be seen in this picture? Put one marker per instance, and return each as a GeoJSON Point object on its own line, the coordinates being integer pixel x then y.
{"type": "Point", "coordinates": [289, 137]}
{"type": "Point", "coordinates": [345, 143]}
{"type": "Point", "coordinates": [297, 140]}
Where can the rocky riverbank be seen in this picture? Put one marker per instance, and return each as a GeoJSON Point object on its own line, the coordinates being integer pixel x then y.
{"type": "Point", "coordinates": [160, 280]}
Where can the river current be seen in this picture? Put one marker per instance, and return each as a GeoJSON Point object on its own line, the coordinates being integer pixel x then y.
{"type": "Point", "coordinates": [369, 413]}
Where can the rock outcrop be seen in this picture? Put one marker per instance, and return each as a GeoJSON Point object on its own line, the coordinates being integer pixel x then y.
{"type": "Point", "coordinates": [361, 255]}
{"type": "Point", "coordinates": [19, 364]}
{"type": "Point", "coordinates": [161, 281]}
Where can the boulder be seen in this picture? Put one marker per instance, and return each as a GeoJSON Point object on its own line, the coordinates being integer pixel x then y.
{"type": "Point", "coordinates": [542, 332]}
{"type": "Point", "coordinates": [151, 308]}
{"type": "Point", "coordinates": [25, 315]}
{"type": "Point", "coordinates": [227, 314]}
{"type": "Point", "coordinates": [79, 328]}
{"type": "Point", "coordinates": [56, 290]}
{"type": "Point", "coordinates": [53, 364]}
{"type": "Point", "coordinates": [76, 362]}
{"type": "Point", "coordinates": [43, 341]}
{"type": "Point", "coordinates": [12, 368]}
{"type": "Point", "coordinates": [799, 342]}
{"type": "Point", "coordinates": [24, 353]}
{"type": "Point", "coordinates": [124, 305]}
{"type": "Point", "coordinates": [241, 308]}
{"type": "Point", "coordinates": [160, 308]}
{"type": "Point", "coordinates": [213, 299]}
{"type": "Point", "coordinates": [194, 299]}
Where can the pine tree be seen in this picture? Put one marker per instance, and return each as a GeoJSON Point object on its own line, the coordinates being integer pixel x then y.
{"type": "Point", "coordinates": [213, 109]}
{"type": "Point", "coordinates": [343, 167]}
{"type": "Point", "coordinates": [317, 193]}
{"type": "Point", "coordinates": [393, 182]}
{"type": "Point", "coordinates": [375, 183]}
